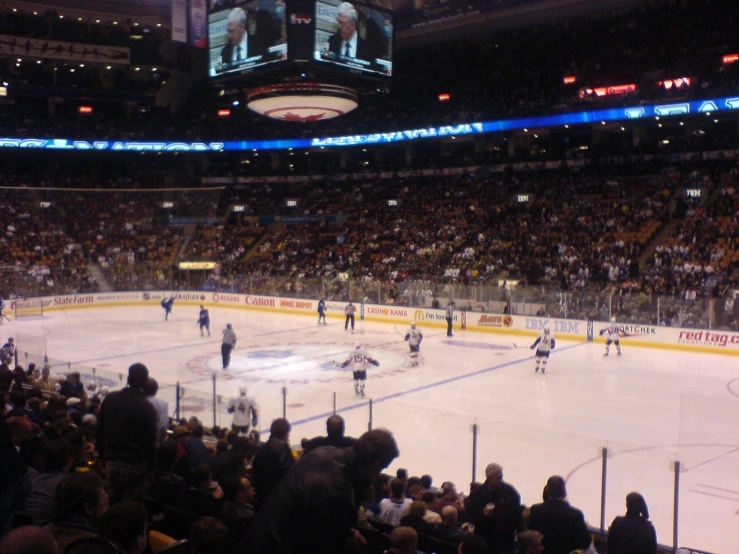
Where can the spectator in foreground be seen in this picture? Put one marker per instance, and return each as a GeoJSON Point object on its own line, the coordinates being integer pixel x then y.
{"type": "Point", "coordinates": [127, 436]}
{"type": "Point", "coordinates": [81, 502]}
{"type": "Point", "coordinates": [334, 436]}
{"type": "Point", "coordinates": [315, 506]}
{"type": "Point", "coordinates": [473, 544]}
{"type": "Point", "coordinates": [208, 536]}
{"type": "Point", "coordinates": [273, 460]}
{"type": "Point", "coordinates": [562, 525]}
{"type": "Point", "coordinates": [29, 540]}
{"type": "Point", "coordinates": [124, 524]}
{"type": "Point", "coordinates": [449, 529]}
{"type": "Point", "coordinates": [530, 542]}
{"type": "Point", "coordinates": [40, 504]}
{"type": "Point", "coordinates": [394, 508]}
{"type": "Point", "coordinates": [495, 509]}
{"type": "Point", "coordinates": [633, 533]}
{"type": "Point", "coordinates": [403, 540]}
{"type": "Point", "coordinates": [161, 406]}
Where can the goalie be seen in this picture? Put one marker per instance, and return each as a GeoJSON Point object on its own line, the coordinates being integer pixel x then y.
{"type": "Point", "coordinates": [544, 345]}
{"type": "Point", "coordinates": [359, 360]}
{"type": "Point", "coordinates": [414, 337]}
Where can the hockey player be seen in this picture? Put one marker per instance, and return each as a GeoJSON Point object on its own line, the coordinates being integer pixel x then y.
{"type": "Point", "coordinates": [414, 337]}
{"type": "Point", "coordinates": [7, 353]}
{"type": "Point", "coordinates": [167, 305]}
{"type": "Point", "coordinates": [359, 359]}
{"type": "Point", "coordinates": [544, 345]}
{"type": "Point", "coordinates": [613, 333]}
{"type": "Point", "coordinates": [244, 410]}
{"type": "Point", "coordinates": [229, 343]}
{"type": "Point", "coordinates": [321, 311]}
{"type": "Point", "coordinates": [3, 317]}
{"type": "Point", "coordinates": [204, 320]}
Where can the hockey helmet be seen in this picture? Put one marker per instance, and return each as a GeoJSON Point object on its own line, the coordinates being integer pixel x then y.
{"type": "Point", "coordinates": [546, 330]}
{"type": "Point", "coordinates": [413, 324]}
{"type": "Point", "coordinates": [242, 390]}
{"type": "Point", "coordinates": [613, 319]}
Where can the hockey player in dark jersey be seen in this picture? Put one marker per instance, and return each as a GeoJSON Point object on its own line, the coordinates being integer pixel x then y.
{"type": "Point", "coordinates": [167, 305]}
{"type": "Point", "coordinates": [204, 320]}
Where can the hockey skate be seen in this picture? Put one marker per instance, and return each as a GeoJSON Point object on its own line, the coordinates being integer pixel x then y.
{"type": "Point", "coordinates": [619, 352]}
{"type": "Point", "coordinates": [362, 393]}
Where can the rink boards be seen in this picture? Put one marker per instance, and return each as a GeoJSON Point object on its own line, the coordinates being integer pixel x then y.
{"type": "Point", "coordinates": [697, 340]}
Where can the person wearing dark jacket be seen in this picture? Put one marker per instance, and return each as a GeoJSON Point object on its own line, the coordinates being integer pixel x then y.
{"type": "Point", "coordinates": [315, 507]}
{"type": "Point", "coordinates": [495, 509]}
{"type": "Point", "coordinates": [273, 460]}
{"type": "Point", "coordinates": [127, 437]}
{"type": "Point", "coordinates": [80, 502]}
{"type": "Point", "coordinates": [203, 497]}
{"type": "Point", "coordinates": [14, 481]}
{"type": "Point", "coordinates": [562, 525]}
{"type": "Point", "coordinates": [334, 436]}
{"type": "Point", "coordinates": [633, 533]}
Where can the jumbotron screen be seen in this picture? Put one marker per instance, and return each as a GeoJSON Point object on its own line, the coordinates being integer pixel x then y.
{"type": "Point", "coordinates": [245, 35]}
{"type": "Point", "coordinates": [354, 36]}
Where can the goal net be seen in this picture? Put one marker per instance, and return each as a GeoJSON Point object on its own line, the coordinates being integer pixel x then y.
{"type": "Point", "coordinates": [28, 308]}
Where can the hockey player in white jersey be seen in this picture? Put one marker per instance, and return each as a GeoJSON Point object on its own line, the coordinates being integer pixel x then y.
{"type": "Point", "coordinates": [245, 412]}
{"type": "Point", "coordinates": [544, 344]}
{"type": "Point", "coordinates": [414, 336]}
{"type": "Point", "coordinates": [613, 334]}
{"type": "Point", "coordinates": [359, 360]}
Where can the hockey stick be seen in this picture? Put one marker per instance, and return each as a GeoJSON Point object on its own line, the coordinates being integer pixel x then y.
{"type": "Point", "coordinates": [396, 330]}
{"type": "Point", "coordinates": [517, 346]}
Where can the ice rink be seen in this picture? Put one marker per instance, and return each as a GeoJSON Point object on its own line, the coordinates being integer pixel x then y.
{"type": "Point", "coordinates": [650, 408]}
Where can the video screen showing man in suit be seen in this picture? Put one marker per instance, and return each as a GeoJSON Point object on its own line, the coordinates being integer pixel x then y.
{"type": "Point", "coordinates": [236, 50]}
{"type": "Point", "coordinates": [248, 35]}
{"type": "Point", "coordinates": [354, 35]}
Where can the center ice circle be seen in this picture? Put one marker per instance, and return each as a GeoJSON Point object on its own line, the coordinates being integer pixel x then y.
{"type": "Point", "coordinates": [303, 362]}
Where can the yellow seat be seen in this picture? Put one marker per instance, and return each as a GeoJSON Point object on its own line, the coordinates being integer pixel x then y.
{"type": "Point", "coordinates": [159, 541]}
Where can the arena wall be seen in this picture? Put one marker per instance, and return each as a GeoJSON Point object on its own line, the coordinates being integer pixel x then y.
{"type": "Point", "coordinates": [697, 340]}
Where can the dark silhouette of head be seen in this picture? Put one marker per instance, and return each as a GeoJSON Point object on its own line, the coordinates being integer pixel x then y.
{"type": "Point", "coordinates": [335, 426]}
{"type": "Point", "coordinates": [138, 375]}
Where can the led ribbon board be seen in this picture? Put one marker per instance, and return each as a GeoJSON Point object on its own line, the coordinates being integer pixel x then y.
{"type": "Point", "coordinates": [709, 106]}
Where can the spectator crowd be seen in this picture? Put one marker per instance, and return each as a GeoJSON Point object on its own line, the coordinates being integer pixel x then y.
{"type": "Point", "coordinates": [111, 470]}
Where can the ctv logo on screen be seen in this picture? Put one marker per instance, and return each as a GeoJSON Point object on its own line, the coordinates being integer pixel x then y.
{"type": "Point", "coordinates": [300, 19]}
